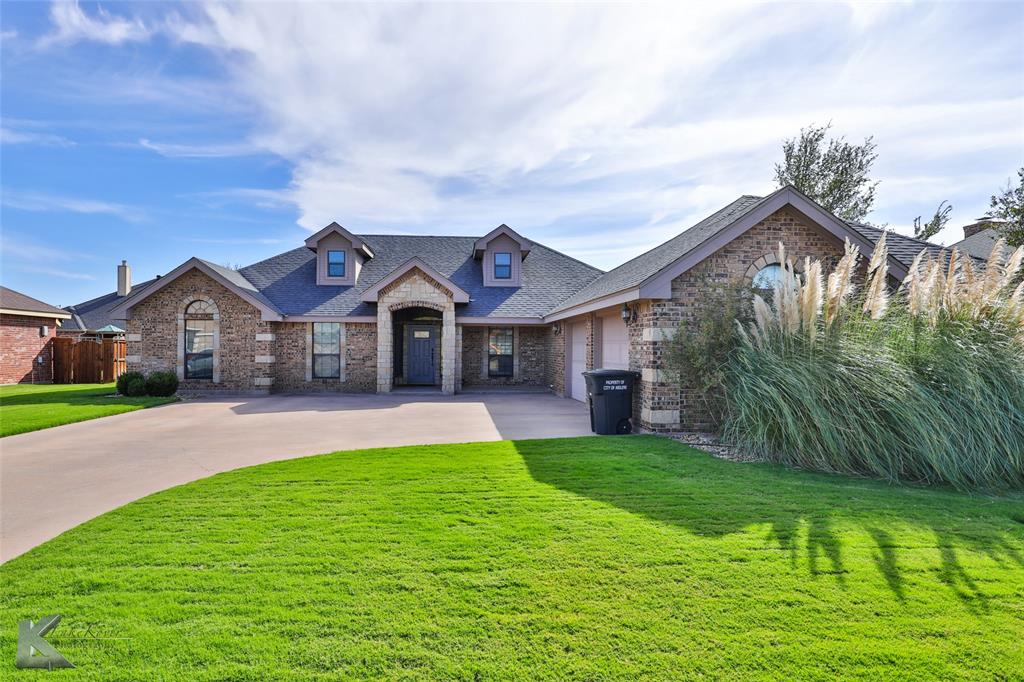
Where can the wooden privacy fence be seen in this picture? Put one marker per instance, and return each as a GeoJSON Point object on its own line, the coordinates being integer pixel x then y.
{"type": "Point", "coordinates": [88, 361]}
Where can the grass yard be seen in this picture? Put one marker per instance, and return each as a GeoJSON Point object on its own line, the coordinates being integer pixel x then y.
{"type": "Point", "coordinates": [30, 407]}
{"type": "Point", "coordinates": [586, 558]}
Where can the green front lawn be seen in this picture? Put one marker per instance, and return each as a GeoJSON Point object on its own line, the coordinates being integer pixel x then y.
{"type": "Point", "coordinates": [30, 407]}
{"type": "Point", "coordinates": [587, 558]}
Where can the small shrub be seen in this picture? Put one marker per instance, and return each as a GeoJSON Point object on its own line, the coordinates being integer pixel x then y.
{"type": "Point", "coordinates": [126, 378]}
{"type": "Point", "coordinates": [162, 384]}
{"type": "Point", "coordinates": [135, 386]}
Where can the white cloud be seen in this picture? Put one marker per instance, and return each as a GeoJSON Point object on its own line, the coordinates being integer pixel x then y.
{"type": "Point", "coordinates": [603, 129]}
{"type": "Point", "coordinates": [200, 151]}
{"type": "Point", "coordinates": [11, 136]}
{"type": "Point", "coordinates": [12, 247]}
{"type": "Point", "coordinates": [41, 201]}
{"type": "Point", "coordinates": [71, 24]}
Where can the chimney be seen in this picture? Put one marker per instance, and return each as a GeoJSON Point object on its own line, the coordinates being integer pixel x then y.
{"type": "Point", "coordinates": [980, 224]}
{"type": "Point", "coordinates": [124, 279]}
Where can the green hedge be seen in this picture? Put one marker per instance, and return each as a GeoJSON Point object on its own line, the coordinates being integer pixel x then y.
{"type": "Point", "coordinates": [135, 384]}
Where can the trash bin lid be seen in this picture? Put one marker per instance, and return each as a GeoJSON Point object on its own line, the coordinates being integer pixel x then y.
{"type": "Point", "coordinates": [610, 373]}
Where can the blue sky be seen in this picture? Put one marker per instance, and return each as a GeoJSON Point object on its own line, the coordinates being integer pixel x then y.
{"type": "Point", "coordinates": [153, 132]}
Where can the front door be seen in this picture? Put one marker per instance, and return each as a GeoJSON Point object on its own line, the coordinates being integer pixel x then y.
{"type": "Point", "coordinates": [420, 353]}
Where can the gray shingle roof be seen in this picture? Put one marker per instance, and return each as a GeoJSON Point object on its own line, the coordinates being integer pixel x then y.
{"type": "Point", "coordinates": [95, 313]}
{"type": "Point", "coordinates": [636, 271]}
{"type": "Point", "coordinates": [288, 280]}
{"type": "Point", "coordinates": [901, 247]}
{"type": "Point", "coordinates": [978, 244]}
{"type": "Point", "coordinates": [15, 300]}
{"type": "Point", "coordinates": [633, 272]}
{"type": "Point", "coordinates": [239, 280]}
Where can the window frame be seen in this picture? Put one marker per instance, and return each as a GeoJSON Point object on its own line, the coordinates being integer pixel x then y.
{"type": "Point", "coordinates": [508, 265]}
{"type": "Point", "coordinates": [202, 313]}
{"type": "Point", "coordinates": [335, 354]}
{"type": "Point", "coordinates": [343, 263]}
{"type": "Point", "coordinates": [500, 372]}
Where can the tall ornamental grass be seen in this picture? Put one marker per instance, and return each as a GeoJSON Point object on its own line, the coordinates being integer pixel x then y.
{"type": "Point", "coordinates": [922, 384]}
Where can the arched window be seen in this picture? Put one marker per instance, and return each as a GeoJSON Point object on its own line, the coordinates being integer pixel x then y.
{"type": "Point", "coordinates": [200, 327]}
{"type": "Point", "coordinates": [766, 277]}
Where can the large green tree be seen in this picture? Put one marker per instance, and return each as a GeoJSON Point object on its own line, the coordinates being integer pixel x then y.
{"type": "Point", "coordinates": [833, 172]}
{"type": "Point", "coordinates": [1008, 205]}
{"type": "Point", "coordinates": [934, 226]}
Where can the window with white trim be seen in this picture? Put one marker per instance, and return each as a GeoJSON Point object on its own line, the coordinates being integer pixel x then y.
{"type": "Point", "coordinates": [326, 350]}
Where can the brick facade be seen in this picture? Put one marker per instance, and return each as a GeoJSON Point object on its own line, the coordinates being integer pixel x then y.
{"type": "Point", "coordinates": [23, 345]}
{"type": "Point", "coordinates": [251, 354]}
{"type": "Point", "coordinates": [530, 348]}
{"type": "Point", "coordinates": [556, 342]}
{"type": "Point", "coordinates": [155, 336]}
{"type": "Point", "coordinates": [662, 405]}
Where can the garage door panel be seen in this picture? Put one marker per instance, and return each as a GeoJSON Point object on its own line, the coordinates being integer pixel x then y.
{"type": "Point", "coordinates": [614, 343]}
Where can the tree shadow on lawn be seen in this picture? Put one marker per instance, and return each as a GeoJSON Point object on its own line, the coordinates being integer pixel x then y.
{"type": "Point", "coordinates": [671, 483]}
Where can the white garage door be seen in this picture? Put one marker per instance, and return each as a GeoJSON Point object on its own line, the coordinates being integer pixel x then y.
{"type": "Point", "coordinates": [579, 361]}
{"type": "Point", "coordinates": [614, 343]}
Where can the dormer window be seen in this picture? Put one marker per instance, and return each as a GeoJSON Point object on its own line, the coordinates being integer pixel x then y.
{"type": "Point", "coordinates": [501, 252]}
{"type": "Point", "coordinates": [335, 263]}
{"type": "Point", "coordinates": [502, 265]}
{"type": "Point", "coordinates": [339, 255]}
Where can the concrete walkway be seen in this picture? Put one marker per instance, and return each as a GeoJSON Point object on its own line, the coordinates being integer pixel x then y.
{"type": "Point", "coordinates": [55, 479]}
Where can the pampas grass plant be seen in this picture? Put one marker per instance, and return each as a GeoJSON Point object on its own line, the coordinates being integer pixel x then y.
{"type": "Point", "coordinates": [924, 383]}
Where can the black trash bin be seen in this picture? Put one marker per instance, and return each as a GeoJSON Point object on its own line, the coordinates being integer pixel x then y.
{"type": "Point", "coordinates": [610, 394]}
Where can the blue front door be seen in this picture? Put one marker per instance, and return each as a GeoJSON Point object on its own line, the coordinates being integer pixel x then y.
{"type": "Point", "coordinates": [420, 352]}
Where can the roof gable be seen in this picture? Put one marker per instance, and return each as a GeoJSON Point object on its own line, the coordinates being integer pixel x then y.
{"type": "Point", "coordinates": [357, 243]}
{"type": "Point", "coordinates": [459, 295]}
{"type": "Point", "coordinates": [232, 280]}
{"type": "Point", "coordinates": [650, 274]}
{"type": "Point", "coordinates": [480, 245]}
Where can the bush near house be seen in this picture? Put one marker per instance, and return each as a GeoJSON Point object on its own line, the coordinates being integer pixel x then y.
{"type": "Point", "coordinates": [136, 384]}
{"type": "Point", "coordinates": [925, 385]}
{"type": "Point", "coordinates": [162, 384]}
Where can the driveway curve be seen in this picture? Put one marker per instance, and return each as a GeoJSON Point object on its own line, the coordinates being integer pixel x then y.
{"type": "Point", "coordinates": [55, 479]}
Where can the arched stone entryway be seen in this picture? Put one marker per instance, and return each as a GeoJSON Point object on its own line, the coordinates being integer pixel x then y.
{"type": "Point", "coordinates": [415, 290]}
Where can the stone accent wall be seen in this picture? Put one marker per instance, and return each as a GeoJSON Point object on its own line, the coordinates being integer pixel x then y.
{"type": "Point", "coordinates": [531, 351]}
{"type": "Point", "coordinates": [156, 342]}
{"type": "Point", "coordinates": [414, 289]}
{"type": "Point", "coordinates": [22, 345]}
{"type": "Point", "coordinates": [662, 406]}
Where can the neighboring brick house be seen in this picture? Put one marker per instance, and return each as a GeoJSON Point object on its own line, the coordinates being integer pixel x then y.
{"type": "Point", "coordinates": [372, 313]}
{"type": "Point", "coordinates": [27, 329]}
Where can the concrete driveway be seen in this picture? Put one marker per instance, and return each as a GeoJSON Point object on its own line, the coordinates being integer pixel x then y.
{"type": "Point", "coordinates": [55, 479]}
